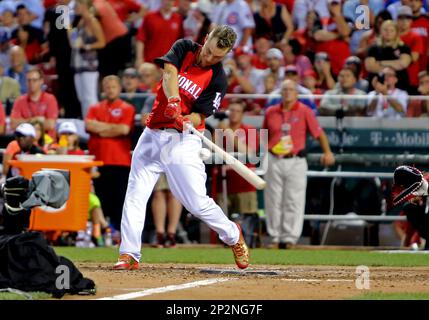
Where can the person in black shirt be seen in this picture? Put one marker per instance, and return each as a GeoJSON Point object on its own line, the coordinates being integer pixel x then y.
{"type": "Point", "coordinates": [389, 51]}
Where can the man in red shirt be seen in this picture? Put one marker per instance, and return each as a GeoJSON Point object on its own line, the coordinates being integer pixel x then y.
{"type": "Point", "coordinates": [420, 25]}
{"type": "Point", "coordinates": [288, 124]}
{"type": "Point", "coordinates": [191, 89]}
{"type": "Point", "coordinates": [109, 124]}
{"type": "Point", "coordinates": [158, 31]}
{"type": "Point", "coordinates": [415, 42]}
{"type": "Point", "coordinates": [36, 104]}
{"type": "Point", "coordinates": [242, 198]}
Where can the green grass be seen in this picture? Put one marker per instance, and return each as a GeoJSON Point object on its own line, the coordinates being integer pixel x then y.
{"type": "Point", "coordinates": [34, 295]}
{"type": "Point", "coordinates": [393, 296]}
{"type": "Point", "coordinates": [258, 256]}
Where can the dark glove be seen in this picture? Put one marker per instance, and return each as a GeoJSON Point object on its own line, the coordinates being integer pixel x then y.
{"type": "Point", "coordinates": [173, 109]}
{"type": "Point", "coordinates": [408, 183]}
{"type": "Point", "coordinates": [15, 192]}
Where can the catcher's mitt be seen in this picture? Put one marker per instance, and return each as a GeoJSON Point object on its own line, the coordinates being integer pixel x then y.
{"type": "Point", "coordinates": [408, 183]}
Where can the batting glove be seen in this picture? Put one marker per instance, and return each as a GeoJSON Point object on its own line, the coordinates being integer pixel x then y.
{"type": "Point", "coordinates": [180, 123]}
{"type": "Point", "coordinates": [173, 109]}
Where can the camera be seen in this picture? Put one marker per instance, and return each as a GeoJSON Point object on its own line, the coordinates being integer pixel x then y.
{"type": "Point", "coordinates": [380, 78]}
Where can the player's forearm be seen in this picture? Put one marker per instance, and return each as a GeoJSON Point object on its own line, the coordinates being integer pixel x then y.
{"type": "Point", "coordinates": [170, 82]}
{"type": "Point", "coordinates": [195, 118]}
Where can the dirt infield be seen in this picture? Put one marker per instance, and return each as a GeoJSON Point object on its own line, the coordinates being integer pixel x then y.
{"type": "Point", "coordinates": [168, 281]}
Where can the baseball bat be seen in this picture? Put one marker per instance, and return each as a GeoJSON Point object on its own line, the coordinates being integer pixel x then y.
{"type": "Point", "coordinates": [235, 164]}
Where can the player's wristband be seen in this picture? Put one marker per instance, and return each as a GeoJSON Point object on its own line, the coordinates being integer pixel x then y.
{"type": "Point", "coordinates": [174, 99]}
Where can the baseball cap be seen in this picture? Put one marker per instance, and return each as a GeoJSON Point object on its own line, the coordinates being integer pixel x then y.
{"type": "Point", "coordinates": [25, 130]}
{"type": "Point", "coordinates": [274, 53]}
{"type": "Point", "coordinates": [353, 60]}
{"type": "Point", "coordinates": [131, 72]}
{"type": "Point", "coordinates": [67, 127]}
{"type": "Point", "coordinates": [291, 69]}
{"type": "Point", "coordinates": [321, 56]}
{"type": "Point", "coordinates": [405, 11]}
{"type": "Point", "coordinates": [310, 73]}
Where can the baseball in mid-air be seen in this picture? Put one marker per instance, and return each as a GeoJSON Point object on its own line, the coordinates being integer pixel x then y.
{"type": "Point", "coordinates": [205, 154]}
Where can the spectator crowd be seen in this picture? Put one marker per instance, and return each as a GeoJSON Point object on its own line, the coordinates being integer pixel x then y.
{"type": "Point", "coordinates": [93, 59]}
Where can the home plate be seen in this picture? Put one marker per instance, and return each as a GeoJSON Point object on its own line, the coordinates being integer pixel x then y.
{"type": "Point", "coordinates": [242, 272]}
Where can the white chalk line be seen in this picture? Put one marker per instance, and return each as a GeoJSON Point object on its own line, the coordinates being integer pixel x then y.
{"type": "Point", "coordinates": [318, 280]}
{"type": "Point", "coordinates": [148, 292]}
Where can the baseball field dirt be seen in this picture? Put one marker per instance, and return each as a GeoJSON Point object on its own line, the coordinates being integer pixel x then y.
{"type": "Point", "coordinates": [261, 282]}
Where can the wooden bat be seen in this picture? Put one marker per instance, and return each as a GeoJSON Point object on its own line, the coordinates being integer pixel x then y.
{"type": "Point", "coordinates": [235, 164]}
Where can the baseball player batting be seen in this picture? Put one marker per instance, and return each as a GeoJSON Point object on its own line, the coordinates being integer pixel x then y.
{"type": "Point", "coordinates": [191, 89]}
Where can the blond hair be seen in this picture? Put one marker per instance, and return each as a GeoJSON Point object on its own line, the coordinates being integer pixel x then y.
{"type": "Point", "coordinates": [398, 42]}
{"type": "Point", "coordinates": [225, 36]}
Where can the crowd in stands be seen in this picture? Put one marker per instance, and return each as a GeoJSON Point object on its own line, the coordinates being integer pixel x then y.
{"type": "Point", "coordinates": [365, 57]}
{"type": "Point", "coordinates": [330, 47]}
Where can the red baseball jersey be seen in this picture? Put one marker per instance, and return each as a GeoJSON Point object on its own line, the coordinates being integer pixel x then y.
{"type": "Point", "coordinates": [201, 89]}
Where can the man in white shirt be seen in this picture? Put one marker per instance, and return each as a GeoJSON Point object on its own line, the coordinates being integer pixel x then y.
{"type": "Point", "coordinates": [387, 101]}
{"type": "Point", "coordinates": [238, 15]}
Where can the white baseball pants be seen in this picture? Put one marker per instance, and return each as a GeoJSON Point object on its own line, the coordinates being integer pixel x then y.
{"type": "Point", "coordinates": [177, 155]}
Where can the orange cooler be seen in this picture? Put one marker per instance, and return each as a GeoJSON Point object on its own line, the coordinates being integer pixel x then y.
{"type": "Point", "coordinates": [73, 215]}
